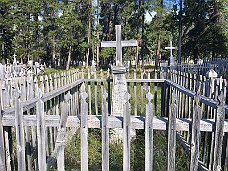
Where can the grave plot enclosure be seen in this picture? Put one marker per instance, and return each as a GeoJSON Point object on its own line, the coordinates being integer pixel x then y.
{"type": "Point", "coordinates": [39, 115]}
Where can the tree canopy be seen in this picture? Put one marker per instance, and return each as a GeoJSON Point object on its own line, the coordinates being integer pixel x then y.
{"type": "Point", "coordinates": [64, 32]}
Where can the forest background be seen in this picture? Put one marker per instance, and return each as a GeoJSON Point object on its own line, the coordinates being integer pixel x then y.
{"type": "Point", "coordinates": [64, 32]}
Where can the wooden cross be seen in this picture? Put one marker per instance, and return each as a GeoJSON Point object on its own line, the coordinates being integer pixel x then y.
{"type": "Point", "coordinates": [171, 48]}
{"type": "Point", "coordinates": [14, 58]}
{"type": "Point", "coordinates": [118, 44]}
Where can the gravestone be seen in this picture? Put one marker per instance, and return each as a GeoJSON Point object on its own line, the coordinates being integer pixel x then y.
{"type": "Point", "coordinates": [119, 80]}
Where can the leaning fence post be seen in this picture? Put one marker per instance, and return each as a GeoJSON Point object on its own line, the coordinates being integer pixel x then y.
{"type": "Point", "coordinates": [84, 129]}
{"type": "Point", "coordinates": [219, 130]}
{"type": "Point", "coordinates": [105, 133]}
{"type": "Point", "coordinates": [149, 133]}
{"type": "Point", "coordinates": [195, 139]}
{"type": "Point", "coordinates": [19, 130]}
{"type": "Point", "coordinates": [41, 133]}
{"type": "Point", "coordinates": [61, 132]}
{"type": "Point", "coordinates": [172, 132]}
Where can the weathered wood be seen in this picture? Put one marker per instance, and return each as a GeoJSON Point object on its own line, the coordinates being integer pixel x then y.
{"type": "Point", "coordinates": [128, 80]}
{"type": "Point", "coordinates": [84, 129]}
{"type": "Point", "coordinates": [218, 139]}
{"type": "Point", "coordinates": [155, 92]}
{"type": "Point", "coordinates": [49, 136]}
{"type": "Point", "coordinates": [126, 134]}
{"type": "Point", "coordinates": [207, 101]}
{"type": "Point", "coordinates": [149, 134]}
{"type": "Point", "coordinates": [172, 133]}
{"type": "Point", "coordinates": [41, 134]}
{"type": "Point", "coordinates": [135, 95]}
{"type": "Point", "coordinates": [137, 122]}
{"type": "Point", "coordinates": [186, 147]}
{"type": "Point", "coordinates": [95, 94]}
{"type": "Point", "coordinates": [195, 133]}
{"type": "Point", "coordinates": [19, 131]}
{"type": "Point", "coordinates": [105, 133]}
{"type": "Point", "coordinates": [141, 93]}
{"type": "Point", "coordinates": [2, 148]}
{"type": "Point", "coordinates": [119, 44]}
{"type": "Point", "coordinates": [61, 133]}
{"type": "Point", "coordinates": [34, 128]}
{"type": "Point", "coordinates": [47, 96]}
{"type": "Point", "coordinates": [89, 94]}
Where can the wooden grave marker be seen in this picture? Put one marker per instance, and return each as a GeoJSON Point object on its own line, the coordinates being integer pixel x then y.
{"type": "Point", "coordinates": [119, 79]}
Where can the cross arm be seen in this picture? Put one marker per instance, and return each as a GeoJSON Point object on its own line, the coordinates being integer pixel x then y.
{"type": "Point", "coordinates": [127, 43]}
{"type": "Point", "coordinates": [108, 44]}
{"type": "Point", "coordinates": [170, 47]}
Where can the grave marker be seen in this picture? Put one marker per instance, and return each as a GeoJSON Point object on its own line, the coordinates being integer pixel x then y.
{"type": "Point", "coordinates": [211, 74]}
{"type": "Point", "coordinates": [171, 58]}
{"type": "Point", "coordinates": [119, 80]}
{"type": "Point", "coordinates": [93, 67]}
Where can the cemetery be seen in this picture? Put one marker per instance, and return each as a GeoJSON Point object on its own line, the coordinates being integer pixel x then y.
{"type": "Point", "coordinates": [41, 113]}
{"type": "Point", "coordinates": [95, 85]}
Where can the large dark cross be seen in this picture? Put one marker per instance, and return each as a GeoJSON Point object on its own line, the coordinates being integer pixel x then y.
{"type": "Point", "coordinates": [119, 90]}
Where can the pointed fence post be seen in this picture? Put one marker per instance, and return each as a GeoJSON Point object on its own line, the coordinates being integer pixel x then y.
{"type": "Point", "coordinates": [219, 130]}
{"type": "Point", "coordinates": [2, 148]}
{"type": "Point", "coordinates": [149, 133]}
{"type": "Point", "coordinates": [19, 130]}
{"type": "Point", "coordinates": [61, 132]}
{"type": "Point", "coordinates": [126, 133]}
{"type": "Point", "coordinates": [105, 133]}
{"type": "Point", "coordinates": [195, 139]}
{"type": "Point", "coordinates": [172, 132]}
{"type": "Point", "coordinates": [84, 129]}
{"type": "Point", "coordinates": [41, 133]}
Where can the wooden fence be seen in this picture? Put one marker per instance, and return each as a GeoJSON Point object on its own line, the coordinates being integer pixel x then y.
{"type": "Point", "coordinates": [220, 66]}
{"type": "Point", "coordinates": [33, 118]}
{"type": "Point", "coordinates": [43, 113]}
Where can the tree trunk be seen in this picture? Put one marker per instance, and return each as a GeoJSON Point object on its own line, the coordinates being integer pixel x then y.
{"type": "Point", "coordinates": [136, 57]}
{"type": "Point", "coordinates": [98, 50]}
{"type": "Point", "coordinates": [180, 33]}
{"type": "Point", "coordinates": [53, 55]}
{"type": "Point", "coordinates": [98, 40]}
{"type": "Point", "coordinates": [89, 36]}
{"type": "Point", "coordinates": [69, 58]}
{"type": "Point", "coordinates": [142, 48]}
{"type": "Point", "coordinates": [158, 56]}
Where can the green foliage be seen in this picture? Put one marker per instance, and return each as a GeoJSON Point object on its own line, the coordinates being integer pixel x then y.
{"type": "Point", "coordinates": [47, 30]}
{"type": "Point", "coordinates": [204, 29]}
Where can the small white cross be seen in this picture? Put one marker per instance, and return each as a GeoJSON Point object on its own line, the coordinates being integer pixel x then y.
{"type": "Point", "coordinates": [171, 48]}
{"type": "Point", "coordinates": [14, 58]}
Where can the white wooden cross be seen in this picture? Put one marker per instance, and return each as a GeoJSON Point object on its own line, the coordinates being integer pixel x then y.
{"type": "Point", "coordinates": [14, 58]}
{"type": "Point", "coordinates": [119, 44]}
{"type": "Point", "coordinates": [171, 48]}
